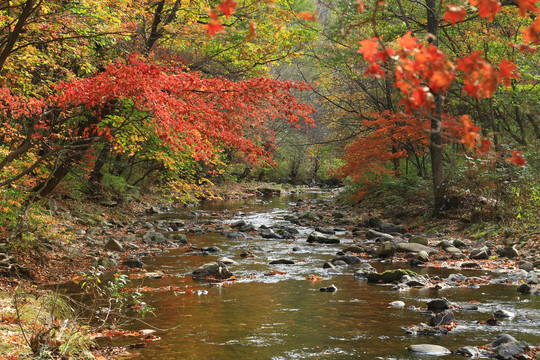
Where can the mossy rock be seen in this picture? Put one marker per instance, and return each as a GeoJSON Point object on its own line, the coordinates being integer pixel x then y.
{"type": "Point", "coordinates": [389, 276]}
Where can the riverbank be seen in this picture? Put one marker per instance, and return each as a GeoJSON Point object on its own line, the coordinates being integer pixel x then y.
{"type": "Point", "coordinates": [118, 237]}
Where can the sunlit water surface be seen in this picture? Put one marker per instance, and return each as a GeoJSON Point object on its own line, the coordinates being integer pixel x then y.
{"type": "Point", "coordinates": [287, 317]}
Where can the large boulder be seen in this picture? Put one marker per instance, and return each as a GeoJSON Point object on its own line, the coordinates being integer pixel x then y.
{"type": "Point", "coordinates": [317, 237]}
{"type": "Point", "coordinates": [216, 270]}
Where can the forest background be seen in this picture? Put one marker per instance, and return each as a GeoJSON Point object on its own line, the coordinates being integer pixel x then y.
{"type": "Point", "coordinates": [421, 107]}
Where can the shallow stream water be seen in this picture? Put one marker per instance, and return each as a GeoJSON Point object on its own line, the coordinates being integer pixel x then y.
{"type": "Point", "coordinates": [287, 317]}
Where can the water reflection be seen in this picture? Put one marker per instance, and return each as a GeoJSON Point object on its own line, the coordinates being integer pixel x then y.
{"type": "Point", "coordinates": [286, 317]}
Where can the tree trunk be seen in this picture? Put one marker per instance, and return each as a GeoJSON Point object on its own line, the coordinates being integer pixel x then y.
{"type": "Point", "coordinates": [437, 169]}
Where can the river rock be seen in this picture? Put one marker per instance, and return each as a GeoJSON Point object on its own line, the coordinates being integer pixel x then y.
{"type": "Point", "coordinates": [247, 228]}
{"type": "Point", "coordinates": [387, 228]}
{"type": "Point", "coordinates": [415, 248]}
{"type": "Point", "coordinates": [247, 254]}
{"type": "Point", "coordinates": [524, 289]}
{"type": "Point", "coordinates": [226, 261]}
{"type": "Point", "coordinates": [532, 277]}
{"type": "Point", "coordinates": [502, 339]}
{"type": "Point", "coordinates": [453, 250]}
{"type": "Point", "coordinates": [428, 349]}
{"type": "Point", "coordinates": [416, 239]}
{"type": "Point", "coordinates": [364, 269]}
{"type": "Point", "coordinates": [348, 259]}
{"type": "Point", "coordinates": [353, 249]}
{"type": "Point", "coordinates": [107, 262]}
{"type": "Point", "coordinates": [327, 231]}
{"type": "Point", "coordinates": [178, 238]}
{"type": "Point", "coordinates": [422, 256]}
{"type": "Point", "coordinates": [234, 234]}
{"type": "Point", "coordinates": [480, 254]}
{"type": "Point", "coordinates": [211, 249]}
{"type": "Point", "coordinates": [504, 314]}
{"type": "Point", "coordinates": [133, 263]}
{"type": "Point", "coordinates": [414, 281]}
{"type": "Point", "coordinates": [460, 244]}
{"type": "Point", "coordinates": [444, 244]}
{"type": "Point", "coordinates": [269, 234]}
{"type": "Point", "coordinates": [372, 234]}
{"type": "Point", "coordinates": [509, 252]}
{"type": "Point", "coordinates": [386, 249]}
{"type": "Point", "coordinates": [397, 304]}
{"type": "Point", "coordinates": [517, 275]}
{"type": "Point", "coordinates": [438, 304]}
{"type": "Point", "coordinates": [328, 265]}
{"type": "Point", "coordinates": [282, 262]}
{"type": "Point", "coordinates": [527, 266]}
{"type": "Point", "coordinates": [331, 288]}
{"type": "Point", "coordinates": [508, 351]}
{"type": "Point", "coordinates": [114, 245]}
{"type": "Point", "coordinates": [216, 270]}
{"type": "Point", "coordinates": [388, 276]}
{"type": "Point", "coordinates": [154, 237]}
{"type": "Point", "coordinates": [470, 352]}
{"type": "Point", "coordinates": [425, 329]}
{"type": "Point", "coordinates": [317, 237]}
{"type": "Point", "coordinates": [443, 318]}
{"type": "Point", "coordinates": [238, 224]}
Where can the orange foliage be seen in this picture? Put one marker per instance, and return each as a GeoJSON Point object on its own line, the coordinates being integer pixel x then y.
{"type": "Point", "coordinates": [390, 134]}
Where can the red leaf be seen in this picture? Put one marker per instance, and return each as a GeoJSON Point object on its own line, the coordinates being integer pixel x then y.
{"type": "Point", "coordinates": [532, 33]}
{"type": "Point", "coordinates": [408, 42]}
{"type": "Point", "coordinates": [487, 8]}
{"type": "Point", "coordinates": [454, 14]}
{"type": "Point", "coordinates": [516, 158]}
{"type": "Point", "coordinates": [360, 5]}
{"type": "Point", "coordinates": [227, 7]}
{"type": "Point", "coordinates": [507, 70]}
{"type": "Point", "coordinates": [486, 146]}
{"type": "Point", "coordinates": [525, 5]}
{"type": "Point", "coordinates": [213, 27]}
{"type": "Point", "coordinates": [469, 132]}
{"type": "Point", "coordinates": [368, 48]}
{"type": "Point", "coordinates": [307, 16]}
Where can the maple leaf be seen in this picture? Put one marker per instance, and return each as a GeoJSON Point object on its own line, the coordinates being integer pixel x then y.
{"type": "Point", "coordinates": [525, 5]}
{"type": "Point", "coordinates": [368, 48]}
{"type": "Point", "coordinates": [440, 80]}
{"type": "Point", "coordinates": [360, 5]}
{"type": "Point", "coordinates": [307, 16]}
{"type": "Point", "coordinates": [227, 7]}
{"type": "Point", "coordinates": [532, 33]}
{"type": "Point", "coordinates": [516, 158]}
{"type": "Point", "coordinates": [454, 14]}
{"type": "Point", "coordinates": [507, 70]}
{"type": "Point", "coordinates": [487, 8]}
{"type": "Point", "coordinates": [408, 42]}
{"type": "Point", "coordinates": [470, 134]}
{"type": "Point", "coordinates": [486, 146]}
{"type": "Point", "coordinates": [213, 27]}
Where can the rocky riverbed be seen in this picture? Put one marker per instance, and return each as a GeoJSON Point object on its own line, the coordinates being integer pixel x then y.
{"type": "Point", "coordinates": [419, 282]}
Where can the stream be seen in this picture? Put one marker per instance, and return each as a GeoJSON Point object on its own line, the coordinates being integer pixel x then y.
{"type": "Point", "coordinates": [285, 316]}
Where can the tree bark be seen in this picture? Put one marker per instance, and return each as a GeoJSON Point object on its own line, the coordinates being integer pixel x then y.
{"type": "Point", "coordinates": [437, 168]}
